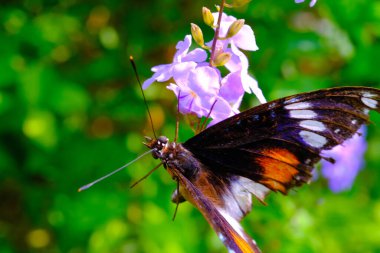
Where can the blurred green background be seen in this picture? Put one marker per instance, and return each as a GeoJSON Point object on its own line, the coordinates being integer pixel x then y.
{"type": "Point", "coordinates": [71, 111]}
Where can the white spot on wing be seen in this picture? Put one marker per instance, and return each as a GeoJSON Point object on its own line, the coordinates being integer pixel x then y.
{"type": "Point", "coordinates": [231, 250]}
{"type": "Point", "coordinates": [272, 105]}
{"type": "Point", "coordinates": [221, 237]}
{"type": "Point", "coordinates": [354, 121]}
{"type": "Point", "coordinates": [257, 189]}
{"type": "Point", "coordinates": [313, 125]}
{"type": "Point", "coordinates": [368, 95]}
{"type": "Point", "coordinates": [369, 102]}
{"type": "Point", "coordinates": [238, 201]}
{"type": "Point", "coordinates": [313, 139]}
{"type": "Point", "coordinates": [302, 114]}
{"type": "Point", "coordinates": [337, 130]}
{"type": "Point", "coordinates": [298, 106]}
{"type": "Point", "coordinates": [292, 100]}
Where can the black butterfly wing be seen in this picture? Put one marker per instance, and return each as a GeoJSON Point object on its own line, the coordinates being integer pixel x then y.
{"type": "Point", "coordinates": [277, 143]}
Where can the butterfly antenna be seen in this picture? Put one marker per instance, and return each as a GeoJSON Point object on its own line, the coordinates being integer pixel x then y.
{"type": "Point", "coordinates": [177, 119]}
{"type": "Point", "coordinates": [142, 92]}
{"type": "Point", "coordinates": [177, 202]}
{"type": "Point", "coordinates": [147, 175]}
{"type": "Point", "coordinates": [208, 116]}
{"type": "Point", "coordinates": [85, 187]}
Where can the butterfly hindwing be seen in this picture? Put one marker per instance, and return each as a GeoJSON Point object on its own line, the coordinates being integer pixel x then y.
{"type": "Point", "coordinates": [227, 228]}
{"type": "Point", "coordinates": [277, 143]}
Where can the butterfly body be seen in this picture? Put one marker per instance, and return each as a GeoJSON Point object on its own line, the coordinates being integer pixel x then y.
{"type": "Point", "coordinates": [224, 200]}
{"type": "Point", "coordinates": [271, 147]}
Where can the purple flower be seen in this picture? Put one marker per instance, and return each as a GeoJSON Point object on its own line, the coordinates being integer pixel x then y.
{"type": "Point", "coordinates": [221, 110]}
{"type": "Point", "coordinates": [348, 162]}
{"type": "Point", "coordinates": [198, 90]}
{"type": "Point", "coordinates": [244, 39]}
{"type": "Point", "coordinates": [232, 90]}
{"type": "Point", "coordinates": [199, 86]}
{"type": "Point", "coordinates": [181, 62]}
{"type": "Point", "coordinates": [238, 64]}
{"type": "Point", "coordinates": [311, 4]}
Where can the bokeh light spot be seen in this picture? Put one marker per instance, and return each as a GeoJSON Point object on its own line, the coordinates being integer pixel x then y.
{"type": "Point", "coordinates": [98, 18]}
{"type": "Point", "coordinates": [38, 238]}
{"type": "Point", "coordinates": [56, 218]}
{"type": "Point", "coordinates": [133, 213]}
{"type": "Point", "coordinates": [158, 116]}
{"type": "Point", "coordinates": [60, 54]}
{"type": "Point", "coordinates": [40, 126]}
{"type": "Point", "coordinates": [102, 127]}
{"type": "Point", "coordinates": [109, 37]}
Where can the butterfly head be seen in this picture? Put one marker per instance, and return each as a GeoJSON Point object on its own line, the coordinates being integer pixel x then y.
{"type": "Point", "coordinates": [157, 145]}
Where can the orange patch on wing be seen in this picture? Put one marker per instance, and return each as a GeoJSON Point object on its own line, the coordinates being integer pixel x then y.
{"type": "Point", "coordinates": [274, 185]}
{"type": "Point", "coordinates": [241, 243]}
{"type": "Point", "coordinates": [283, 155]}
{"type": "Point", "coordinates": [278, 168]}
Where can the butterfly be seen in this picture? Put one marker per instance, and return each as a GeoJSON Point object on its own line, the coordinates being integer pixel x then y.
{"type": "Point", "coordinates": [272, 147]}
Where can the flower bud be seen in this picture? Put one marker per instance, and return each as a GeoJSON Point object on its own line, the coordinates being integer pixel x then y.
{"type": "Point", "coordinates": [208, 18]}
{"type": "Point", "coordinates": [221, 59]}
{"type": "Point", "coordinates": [197, 34]}
{"type": "Point", "coordinates": [235, 28]}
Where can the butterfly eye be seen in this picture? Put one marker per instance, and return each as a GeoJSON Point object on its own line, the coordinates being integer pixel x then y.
{"type": "Point", "coordinates": [162, 140]}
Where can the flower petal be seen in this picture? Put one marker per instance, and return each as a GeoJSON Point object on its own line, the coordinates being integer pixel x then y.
{"type": "Point", "coordinates": [238, 61]}
{"type": "Point", "coordinates": [232, 89]}
{"type": "Point", "coordinates": [245, 39]}
{"type": "Point", "coordinates": [234, 64]}
{"type": "Point", "coordinates": [221, 111]}
{"type": "Point", "coordinates": [148, 82]}
{"type": "Point", "coordinates": [204, 81]}
{"type": "Point", "coordinates": [225, 23]}
{"type": "Point", "coordinates": [250, 85]}
{"type": "Point", "coordinates": [196, 55]}
{"type": "Point", "coordinates": [163, 73]}
{"type": "Point", "coordinates": [182, 48]}
{"type": "Point", "coordinates": [311, 4]}
{"type": "Point", "coordinates": [181, 72]}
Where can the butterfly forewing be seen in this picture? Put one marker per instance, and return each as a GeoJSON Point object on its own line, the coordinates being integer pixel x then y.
{"type": "Point", "coordinates": [277, 143]}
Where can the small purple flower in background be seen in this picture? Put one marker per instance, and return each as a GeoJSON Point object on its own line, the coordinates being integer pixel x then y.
{"type": "Point", "coordinates": [349, 160]}
{"type": "Point", "coordinates": [311, 4]}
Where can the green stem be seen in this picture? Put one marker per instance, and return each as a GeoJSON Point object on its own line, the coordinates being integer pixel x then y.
{"type": "Point", "coordinates": [216, 36]}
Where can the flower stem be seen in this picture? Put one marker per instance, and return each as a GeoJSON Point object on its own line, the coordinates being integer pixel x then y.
{"type": "Point", "coordinates": [216, 36]}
